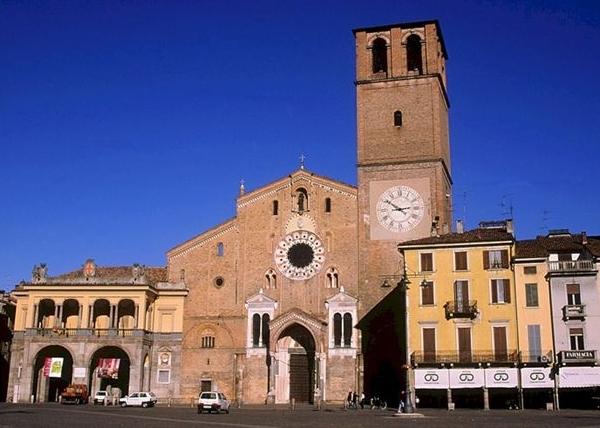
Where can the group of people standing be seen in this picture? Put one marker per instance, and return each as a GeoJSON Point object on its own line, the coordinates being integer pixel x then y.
{"type": "Point", "coordinates": [353, 401]}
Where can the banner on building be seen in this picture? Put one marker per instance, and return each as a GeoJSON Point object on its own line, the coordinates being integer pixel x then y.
{"type": "Point", "coordinates": [578, 377]}
{"type": "Point", "coordinates": [536, 377]}
{"type": "Point", "coordinates": [53, 366]}
{"type": "Point", "coordinates": [466, 378]}
{"type": "Point", "coordinates": [109, 367]}
{"type": "Point", "coordinates": [501, 377]}
{"type": "Point", "coordinates": [431, 379]}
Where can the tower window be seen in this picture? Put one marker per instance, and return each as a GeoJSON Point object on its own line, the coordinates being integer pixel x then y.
{"type": "Point", "coordinates": [414, 59]}
{"type": "Point", "coordinates": [397, 118]}
{"type": "Point", "coordinates": [379, 53]}
{"type": "Point", "coordinates": [327, 205]}
{"type": "Point", "coordinates": [220, 249]}
{"type": "Point", "coordinates": [275, 207]}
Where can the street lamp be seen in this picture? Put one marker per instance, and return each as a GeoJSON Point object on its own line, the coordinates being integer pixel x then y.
{"type": "Point", "coordinates": [403, 288]}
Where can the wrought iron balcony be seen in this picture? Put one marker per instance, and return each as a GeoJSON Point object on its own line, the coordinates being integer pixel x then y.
{"type": "Point", "coordinates": [452, 357]}
{"type": "Point", "coordinates": [573, 312]}
{"type": "Point", "coordinates": [535, 357]}
{"type": "Point", "coordinates": [571, 266]}
{"type": "Point", "coordinates": [461, 309]}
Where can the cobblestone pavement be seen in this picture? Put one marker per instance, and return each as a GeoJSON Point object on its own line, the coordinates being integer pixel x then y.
{"type": "Point", "coordinates": [55, 415]}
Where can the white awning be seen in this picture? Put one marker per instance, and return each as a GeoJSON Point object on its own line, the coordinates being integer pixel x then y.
{"type": "Point", "coordinates": [536, 377]}
{"type": "Point", "coordinates": [578, 377]}
{"type": "Point", "coordinates": [431, 379]}
{"type": "Point", "coordinates": [466, 378]}
{"type": "Point", "coordinates": [501, 377]}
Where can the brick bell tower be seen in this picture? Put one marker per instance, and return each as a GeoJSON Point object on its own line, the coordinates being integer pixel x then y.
{"type": "Point", "coordinates": [404, 181]}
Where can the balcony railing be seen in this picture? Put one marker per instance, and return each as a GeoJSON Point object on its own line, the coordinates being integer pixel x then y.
{"type": "Point", "coordinates": [535, 357]}
{"type": "Point", "coordinates": [461, 309]}
{"type": "Point", "coordinates": [447, 357]}
{"type": "Point", "coordinates": [573, 312]}
{"type": "Point", "coordinates": [85, 332]}
{"type": "Point", "coordinates": [571, 266]}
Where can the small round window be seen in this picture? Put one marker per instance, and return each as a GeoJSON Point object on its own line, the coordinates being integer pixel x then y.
{"type": "Point", "coordinates": [219, 282]}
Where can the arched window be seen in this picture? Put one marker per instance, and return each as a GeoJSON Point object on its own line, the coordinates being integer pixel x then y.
{"type": "Point", "coordinates": [414, 60]}
{"type": "Point", "coordinates": [260, 330]}
{"type": "Point", "coordinates": [337, 330]}
{"type": "Point", "coordinates": [379, 54]}
{"type": "Point", "coordinates": [220, 249]}
{"type": "Point", "coordinates": [347, 329]}
{"type": "Point", "coordinates": [265, 330]}
{"type": "Point", "coordinates": [327, 205]}
{"type": "Point", "coordinates": [397, 118]}
{"type": "Point", "coordinates": [270, 279]}
{"type": "Point", "coordinates": [208, 339]}
{"type": "Point", "coordinates": [256, 330]}
{"type": "Point", "coordinates": [275, 207]}
{"type": "Point", "coordinates": [301, 199]}
{"type": "Point", "coordinates": [332, 278]}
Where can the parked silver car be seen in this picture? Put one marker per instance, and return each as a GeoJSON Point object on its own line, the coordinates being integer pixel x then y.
{"type": "Point", "coordinates": [213, 401]}
{"type": "Point", "coordinates": [144, 399]}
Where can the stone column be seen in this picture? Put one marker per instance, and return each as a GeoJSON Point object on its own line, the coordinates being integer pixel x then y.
{"type": "Point", "coordinates": [486, 399]}
{"type": "Point", "coordinates": [111, 322]}
{"type": "Point", "coordinates": [60, 314]}
{"type": "Point", "coordinates": [91, 316]}
{"type": "Point", "coordinates": [137, 315]}
{"type": "Point", "coordinates": [33, 323]}
{"type": "Point", "coordinates": [116, 316]}
{"type": "Point", "coordinates": [79, 316]}
{"type": "Point", "coordinates": [55, 315]}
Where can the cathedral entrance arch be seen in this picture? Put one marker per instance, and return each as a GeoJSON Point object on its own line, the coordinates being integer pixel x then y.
{"type": "Point", "coordinates": [109, 369]}
{"type": "Point", "coordinates": [52, 373]}
{"type": "Point", "coordinates": [293, 362]}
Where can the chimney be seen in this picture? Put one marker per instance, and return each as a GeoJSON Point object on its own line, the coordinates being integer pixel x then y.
{"type": "Point", "coordinates": [509, 226]}
{"type": "Point", "coordinates": [460, 227]}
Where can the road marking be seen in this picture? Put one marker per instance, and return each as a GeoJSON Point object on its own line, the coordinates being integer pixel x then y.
{"type": "Point", "coordinates": [156, 418]}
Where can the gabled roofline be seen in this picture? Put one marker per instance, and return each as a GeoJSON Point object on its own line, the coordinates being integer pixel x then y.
{"type": "Point", "coordinates": [207, 234]}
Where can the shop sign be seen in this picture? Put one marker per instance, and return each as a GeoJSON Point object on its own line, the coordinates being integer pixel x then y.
{"type": "Point", "coordinates": [431, 378]}
{"type": "Point", "coordinates": [536, 377]}
{"type": "Point", "coordinates": [501, 377]}
{"type": "Point", "coordinates": [578, 377]}
{"type": "Point", "coordinates": [577, 356]}
{"type": "Point", "coordinates": [466, 378]}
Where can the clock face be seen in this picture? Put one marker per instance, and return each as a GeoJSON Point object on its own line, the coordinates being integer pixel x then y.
{"type": "Point", "coordinates": [400, 209]}
{"type": "Point", "coordinates": [300, 255]}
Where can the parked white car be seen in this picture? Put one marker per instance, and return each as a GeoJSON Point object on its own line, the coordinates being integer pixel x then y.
{"type": "Point", "coordinates": [100, 396]}
{"type": "Point", "coordinates": [144, 399]}
{"type": "Point", "coordinates": [213, 401]}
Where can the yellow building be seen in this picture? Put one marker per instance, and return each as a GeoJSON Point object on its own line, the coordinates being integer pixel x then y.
{"type": "Point", "coordinates": [462, 335]}
{"type": "Point", "coordinates": [103, 326]}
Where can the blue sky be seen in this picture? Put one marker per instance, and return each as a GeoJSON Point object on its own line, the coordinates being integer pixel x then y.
{"type": "Point", "coordinates": [126, 126]}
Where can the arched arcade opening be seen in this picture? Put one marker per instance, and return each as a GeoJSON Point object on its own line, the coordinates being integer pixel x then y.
{"type": "Point", "coordinates": [109, 369]}
{"type": "Point", "coordinates": [52, 373]}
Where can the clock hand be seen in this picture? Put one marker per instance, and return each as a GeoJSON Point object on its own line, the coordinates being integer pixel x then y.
{"type": "Point", "coordinates": [396, 207]}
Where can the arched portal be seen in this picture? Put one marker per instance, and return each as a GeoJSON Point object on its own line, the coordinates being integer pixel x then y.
{"type": "Point", "coordinates": [295, 364]}
{"type": "Point", "coordinates": [52, 373]}
{"type": "Point", "coordinates": [109, 369]}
